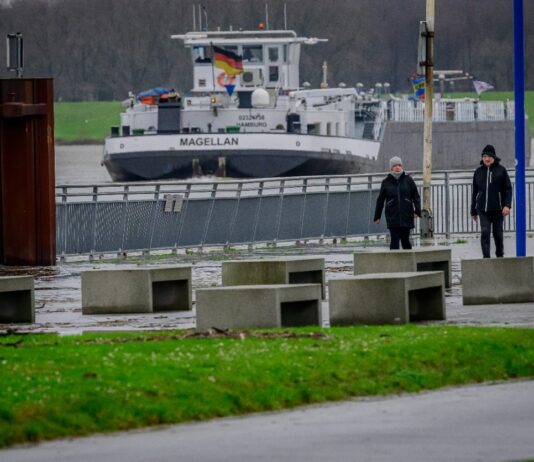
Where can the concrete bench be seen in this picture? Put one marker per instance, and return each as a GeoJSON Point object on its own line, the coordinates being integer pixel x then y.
{"type": "Point", "coordinates": [259, 306]}
{"type": "Point", "coordinates": [17, 299]}
{"type": "Point", "coordinates": [498, 280]}
{"type": "Point", "coordinates": [136, 290]}
{"type": "Point", "coordinates": [294, 270]}
{"type": "Point", "coordinates": [387, 298]}
{"type": "Point", "coordinates": [420, 259]}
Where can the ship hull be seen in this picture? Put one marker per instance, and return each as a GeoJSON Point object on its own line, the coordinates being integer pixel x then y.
{"type": "Point", "coordinates": [140, 159]}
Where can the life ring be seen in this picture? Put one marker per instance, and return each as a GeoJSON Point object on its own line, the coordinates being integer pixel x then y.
{"type": "Point", "coordinates": [224, 79]}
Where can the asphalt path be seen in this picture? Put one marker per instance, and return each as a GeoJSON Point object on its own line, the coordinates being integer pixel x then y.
{"type": "Point", "coordinates": [476, 423]}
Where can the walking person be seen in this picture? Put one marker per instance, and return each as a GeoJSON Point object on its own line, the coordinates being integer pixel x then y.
{"type": "Point", "coordinates": [491, 200]}
{"type": "Point", "coordinates": [402, 201]}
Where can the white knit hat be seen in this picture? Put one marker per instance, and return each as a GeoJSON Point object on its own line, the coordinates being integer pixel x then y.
{"type": "Point", "coordinates": [394, 161]}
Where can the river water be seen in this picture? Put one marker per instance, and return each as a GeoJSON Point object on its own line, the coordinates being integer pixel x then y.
{"type": "Point", "coordinates": [58, 289]}
{"type": "Point", "coordinates": [80, 165]}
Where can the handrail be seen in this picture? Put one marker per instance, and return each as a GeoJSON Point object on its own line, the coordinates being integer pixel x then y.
{"type": "Point", "coordinates": [267, 186]}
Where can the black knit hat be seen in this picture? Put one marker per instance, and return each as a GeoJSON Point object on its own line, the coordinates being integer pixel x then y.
{"type": "Point", "coordinates": [489, 150]}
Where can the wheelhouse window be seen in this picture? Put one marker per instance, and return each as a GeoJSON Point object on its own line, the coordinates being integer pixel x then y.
{"type": "Point", "coordinates": [273, 74]}
{"type": "Point", "coordinates": [273, 54]}
{"type": "Point", "coordinates": [201, 54]}
{"type": "Point", "coordinates": [253, 53]}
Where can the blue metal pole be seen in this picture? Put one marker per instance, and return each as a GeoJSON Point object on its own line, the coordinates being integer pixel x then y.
{"type": "Point", "coordinates": [519, 95]}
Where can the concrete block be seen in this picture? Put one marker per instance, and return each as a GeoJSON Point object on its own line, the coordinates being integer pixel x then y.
{"type": "Point", "coordinates": [498, 280]}
{"type": "Point", "coordinates": [387, 298]}
{"type": "Point", "coordinates": [259, 306]}
{"type": "Point", "coordinates": [17, 299]}
{"type": "Point", "coordinates": [294, 270]}
{"type": "Point", "coordinates": [137, 290]}
{"type": "Point", "coordinates": [420, 259]}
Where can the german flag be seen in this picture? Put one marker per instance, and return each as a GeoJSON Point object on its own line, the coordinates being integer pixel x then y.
{"type": "Point", "coordinates": [227, 60]}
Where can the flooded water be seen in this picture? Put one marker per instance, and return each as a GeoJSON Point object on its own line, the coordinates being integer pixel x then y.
{"type": "Point", "coordinates": [58, 289]}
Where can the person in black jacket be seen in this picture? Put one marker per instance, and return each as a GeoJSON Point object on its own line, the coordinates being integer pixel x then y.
{"type": "Point", "coordinates": [399, 192]}
{"type": "Point", "coordinates": [491, 200]}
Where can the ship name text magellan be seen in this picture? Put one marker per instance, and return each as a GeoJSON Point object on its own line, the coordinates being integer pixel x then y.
{"type": "Point", "coordinates": [209, 141]}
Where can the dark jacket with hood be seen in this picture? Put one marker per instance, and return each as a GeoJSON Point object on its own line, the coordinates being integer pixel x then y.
{"type": "Point", "coordinates": [492, 189]}
{"type": "Point", "coordinates": [402, 201]}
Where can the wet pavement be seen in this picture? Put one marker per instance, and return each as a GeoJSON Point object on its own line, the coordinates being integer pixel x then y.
{"type": "Point", "coordinates": [58, 289]}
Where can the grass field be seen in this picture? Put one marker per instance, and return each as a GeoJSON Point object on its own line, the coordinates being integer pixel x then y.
{"type": "Point", "coordinates": [86, 122]}
{"type": "Point", "coordinates": [65, 386]}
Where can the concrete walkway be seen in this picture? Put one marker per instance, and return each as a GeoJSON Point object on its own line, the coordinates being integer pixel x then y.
{"type": "Point", "coordinates": [479, 423]}
{"type": "Point", "coordinates": [58, 289]}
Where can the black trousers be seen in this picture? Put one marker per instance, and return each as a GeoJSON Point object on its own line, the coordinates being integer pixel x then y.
{"type": "Point", "coordinates": [489, 220]}
{"type": "Point", "coordinates": [401, 235]}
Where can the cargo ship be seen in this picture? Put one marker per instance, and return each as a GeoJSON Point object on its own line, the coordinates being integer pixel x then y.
{"type": "Point", "coordinates": [246, 116]}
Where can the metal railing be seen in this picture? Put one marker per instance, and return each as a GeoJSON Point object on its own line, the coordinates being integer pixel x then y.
{"type": "Point", "coordinates": [379, 120]}
{"type": "Point", "coordinates": [460, 111]}
{"type": "Point", "coordinates": [125, 217]}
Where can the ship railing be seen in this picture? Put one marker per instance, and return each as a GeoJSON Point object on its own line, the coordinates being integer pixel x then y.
{"type": "Point", "coordinates": [379, 120]}
{"type": "Point", "coordinates": [439, 113]}
{"type": "Point", "coordinates": [510, 110]}
{"type": "Point", "coordinates": [459, 111]}
{"type": "Point", "coordinates": [120, 218]}
{"type": "Point", "coordinates": [494, 110]}
{"type": "Point", "coordinates": [465, 111]}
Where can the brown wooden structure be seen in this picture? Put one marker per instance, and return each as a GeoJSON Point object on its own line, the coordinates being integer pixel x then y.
{"type": "Point", "coordinates": [27, 176]}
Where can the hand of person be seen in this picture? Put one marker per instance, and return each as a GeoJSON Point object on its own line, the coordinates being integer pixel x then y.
{"type": "Point", "coordinates": [474, 217]}
{"type": "Point", "coordinates": [505, 211]}
{"type": "Point", "coordinates": [377, 221]}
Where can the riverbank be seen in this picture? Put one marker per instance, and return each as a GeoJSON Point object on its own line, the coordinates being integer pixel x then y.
{"type": "Point", "coordinates": [88, 122]}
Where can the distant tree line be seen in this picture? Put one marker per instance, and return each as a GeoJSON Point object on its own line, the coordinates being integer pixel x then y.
{"type": "Point", "coordinates": [101, 49]}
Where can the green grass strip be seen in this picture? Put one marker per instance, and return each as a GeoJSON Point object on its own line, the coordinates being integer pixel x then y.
{"type": "Point", "coordinates": [55, 386]}
{"type": "Point", "coordinates": [85, 122]}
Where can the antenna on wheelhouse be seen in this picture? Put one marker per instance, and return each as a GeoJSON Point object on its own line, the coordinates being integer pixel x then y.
{"type": "Point", "coordinates": [194, 18]}
{"type": "Point", "coordinates": [266, 16]}
{"type": "Point", "coordinates": [285, 16]}
{"type": "Point", "coordinates": [324, 83]}
{"type": "Point", "coordinates": [205, 11]}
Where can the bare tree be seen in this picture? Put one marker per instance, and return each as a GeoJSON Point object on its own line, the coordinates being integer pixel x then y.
{"type": "Point", "coordinates": [101, 49]}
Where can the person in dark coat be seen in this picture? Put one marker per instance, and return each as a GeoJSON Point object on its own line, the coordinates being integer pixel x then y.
{"type": "Point", "coordinates": [491, 200]}
{"type": "Point", "coordinates": [401, 197]}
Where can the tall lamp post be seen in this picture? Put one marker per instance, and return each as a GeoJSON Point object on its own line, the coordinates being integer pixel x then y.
{"type": "Point", "coordinates": [427, 231]}
{"type": "Point", "coordinates": [519, 96]}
